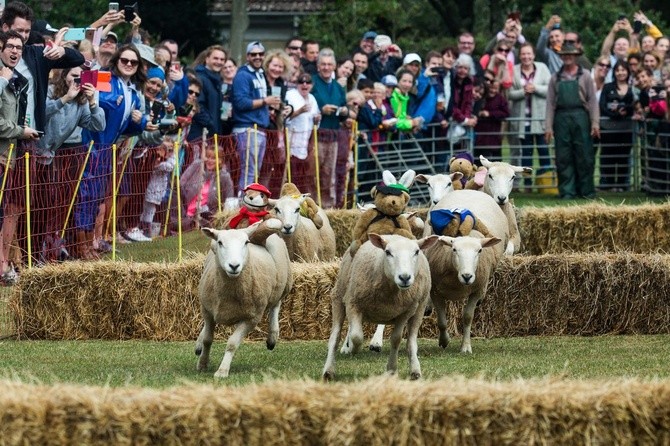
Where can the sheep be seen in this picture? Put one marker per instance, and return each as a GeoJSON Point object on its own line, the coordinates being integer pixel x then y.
{"type": "Point", "coordinates": [387, 281]}
{"type": "Point", "coordinates": [498, 184]}
{"type": "Point", "coordinates": [304, 241]}
{"type": "Point", "coordinates": [247, 272]}
{"type": "Point", "coordinates": [461, 267]}
{"type": "Point", "coordinates": [438, 186]}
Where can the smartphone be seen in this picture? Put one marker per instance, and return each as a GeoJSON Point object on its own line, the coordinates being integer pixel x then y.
{"type": "Point", "coordinates": [77, 80]}
{"type": "Point", "coordinates": [40, 133]}
{"type": "Point", "coordinates": [514, 15]}
{"type": "Point", "coordinates": [75, 34]}
{"type": "Point", "coordinates": [114, 6]}
{"type": "Point", "coordinates": [637, 27]}
{"type": "Point", "coordinates": [176, 65]}
{"type": "Point", "coordinates": [622, 17]}
{"type": "Point", "coordinates": [129, 12]}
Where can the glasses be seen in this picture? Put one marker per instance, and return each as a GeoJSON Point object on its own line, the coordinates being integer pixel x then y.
{"type": "Point", "coordinates": [503, 50]}
{"type": "Point", "coordinates": [294, 48]}
{"type": "Point", "coordinates": [570, 42]}
{"type": "Point", "coordinates": [488, 80]}
{"type": "Point", "coordinates": [196, 93]}
{"type": "Point", "coordinates": [604, 65]}
{"type": "Point", "coordinates": [257, 54]}
{"type": "Point", "coordinates": [467, 43]}
{"type": "Point", "coordinates": [304, 81]}
{"type": "Point", "coordinates": [131, 62]}
{"type": "Point", "coordinates": [10, 47]}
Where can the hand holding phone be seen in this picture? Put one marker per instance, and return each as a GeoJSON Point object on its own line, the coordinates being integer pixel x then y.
{"type": "Point", "coordinates": [114, 6]}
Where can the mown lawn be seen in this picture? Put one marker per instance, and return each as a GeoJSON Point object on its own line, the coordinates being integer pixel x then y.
{"type": "Point", "coordinates": [164, 364]}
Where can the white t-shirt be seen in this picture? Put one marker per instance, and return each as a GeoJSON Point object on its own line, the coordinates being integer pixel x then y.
{"type": "Point", "coordinates": [301, 127]}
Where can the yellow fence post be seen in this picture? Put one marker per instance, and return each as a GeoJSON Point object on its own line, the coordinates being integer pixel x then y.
{"type": "Point", "coordinates": [176, 167]}
{"type": "Point", "coordinates": [246, 167]}
{"type": "Point", "coordinates": [288, 155]}
{"type": "Point", "coordinates": [76, 189]}
{"type": "Point", "coordinates": [218, 170]}
{"type": "Point", "coordinates": [4, 176]}
{"type": "Point", "coordinates": [355, 148]}
{"type": "Point", "coordinates": [316, 164]}
{"type": "Point", "coordinates": [115, 192]}
{"type": "Point", "coordinates": [255, 153]}
{"type": "Point", "coordinates": [30, 245]}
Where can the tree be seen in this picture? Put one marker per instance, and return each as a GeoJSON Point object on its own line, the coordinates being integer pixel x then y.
{"type": "Point", "coordinates": [240, 23]}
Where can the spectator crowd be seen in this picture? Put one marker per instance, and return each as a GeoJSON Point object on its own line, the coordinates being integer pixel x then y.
{"type": "Point", "coordinates": [297, 114]}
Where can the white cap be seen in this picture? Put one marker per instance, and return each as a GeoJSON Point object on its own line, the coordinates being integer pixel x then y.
{"type": "Point", "coordinates": [382, 40]}
{"type": "Point", "coordinates": [411, 57]}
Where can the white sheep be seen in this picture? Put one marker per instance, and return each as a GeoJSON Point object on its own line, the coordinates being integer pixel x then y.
{"type": "Point", "coordinates": [387, 281]}
{"type": "Point", "coordinates": [461, 267]}
{"type": "Point", "coordinates": [498, 184]}
{"type": "Point", "coordinates": [247, 273]}
{"type": "Point", "coordinates": [438, 185]}
{"type": "Point", "coordinates": [304, 241]}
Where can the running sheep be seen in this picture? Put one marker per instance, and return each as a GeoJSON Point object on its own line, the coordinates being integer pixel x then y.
{"type": "Point", "coordinates": [386, 282]}
{"type": "Point", "coordinates": [246, 274]}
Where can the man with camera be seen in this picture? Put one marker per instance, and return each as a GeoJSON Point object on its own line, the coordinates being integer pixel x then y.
{"type": "Point", "coordinates": [386, 59]}
{"type": "Point", "coordinates": [550, 42]}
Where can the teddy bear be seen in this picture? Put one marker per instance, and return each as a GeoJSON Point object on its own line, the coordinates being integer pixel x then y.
{"type": "Point", "coordinates": [253, 209]}
{"type": "Point", "coordinates": [385, 217]}
{"type": "Point", "coordinates": [308, 209]}
{"type": "Point", "coordinates": [473, 177]}
{"type": "Point", "coordinates": [456, 221]}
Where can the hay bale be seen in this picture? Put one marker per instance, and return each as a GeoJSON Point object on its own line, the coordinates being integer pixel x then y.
{"type": "Point", "coordinates": [595, 227]}
{"type": "Point", "coordinates": [377, 411]}
{"type": "Point", "coordinates": [575, 294]}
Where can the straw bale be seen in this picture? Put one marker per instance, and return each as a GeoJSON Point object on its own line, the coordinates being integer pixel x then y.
{"type": "Point", "coordinates": [378, 411]}
{"type": "Point", "coordinates": [567, 294]}
{"type": "Point", "coordinates": [595, 227]}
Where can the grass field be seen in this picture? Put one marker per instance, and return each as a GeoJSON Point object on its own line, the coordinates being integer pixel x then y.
{"type": "Point", "coordinates": [164, 364]}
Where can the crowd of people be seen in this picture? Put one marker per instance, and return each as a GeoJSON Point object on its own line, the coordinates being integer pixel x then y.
{"type": "Point", "coordinates": [67, 103]}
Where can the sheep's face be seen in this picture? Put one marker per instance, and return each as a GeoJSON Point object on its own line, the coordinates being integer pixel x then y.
{"type": "Point", "coordinates": [439, 185]}
{"type": "Point", "coordinates": [465, 252]}
{"type": "Point", "coordinates": [231, 248]}
{"type": "Point", "coordinates": [287, 209]}
{"type": "Point", "coordinates": [500, 179]}
{"type": "Point", "coordinates": [401, 256]}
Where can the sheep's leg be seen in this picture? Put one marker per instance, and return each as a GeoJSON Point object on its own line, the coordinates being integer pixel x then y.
{"type": "Point", "coordinates": [355, 331]}
{"type": "Point", "coordinates": [396, 337]}
{"type": "Point", "coordinates": [440, 305]}
{"type": "Point", "coordinates": [346, 345]}
{"type": "Point", "coordinates": [241, 331]}
{"type": "Point", "coordinates": [204, 342]}
{"type": "Point", "coordinates": [338, 319]}
{"type": "Point", "coordinates": [412, 345]}
{"type": "Point", "coordinates": [273, 332]}
{"type": "Point", "coordinates": [377, 339]}
{"type": "Point", "coordinates": [468, 315]}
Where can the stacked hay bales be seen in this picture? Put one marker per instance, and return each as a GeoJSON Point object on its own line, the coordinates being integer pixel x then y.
{"type": "Point", "coordinates": [378, 411]}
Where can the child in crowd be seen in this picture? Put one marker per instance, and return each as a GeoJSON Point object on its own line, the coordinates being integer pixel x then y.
{"type": "Point", "coordinates": [489, 122]}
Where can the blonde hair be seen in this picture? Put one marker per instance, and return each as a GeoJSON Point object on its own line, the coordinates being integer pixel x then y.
{"type": "Point", "coordinates": [380, 87]}
{"type": "Point", "coordinates": [355, 94]}
{"type": "Point", "coordinates": [283, 57]}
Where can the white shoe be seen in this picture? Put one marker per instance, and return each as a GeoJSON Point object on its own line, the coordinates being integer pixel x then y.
{"type": "Point", "coordinates": [121, 240]}
{"type": "Point", "coordinates": [137, 235]}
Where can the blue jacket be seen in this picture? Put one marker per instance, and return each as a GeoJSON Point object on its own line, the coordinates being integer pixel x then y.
{"type": "Point", "coordinates": [209, 115]}
{"type": "Point", "coordinates": [179, 92]}
{"type": "Point", "coordinates": [114, 111]}
{"type": "Point", "coordinates": [424, 102]}
{"type": "Point", "coordinates": [246, 88]}
{"type": "Point", "coordinates": [332, 94]}
{"type": "Point", "coordinates": [39, 66]}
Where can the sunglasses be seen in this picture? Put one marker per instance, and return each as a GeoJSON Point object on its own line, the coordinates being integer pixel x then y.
{"type": "Point", "coordinates": [131, 62]}
{"type": "Point", "coordinates": [294, 48]}
{"type": "Point", "coordinates": [604, 65]}
{"type": "Point", "coordinates": [488, 79]}
{"type": "Point", "coordinates": [304, 81]}
{"type": "Point", "coordinates": [196, 93]}
{"type": "Point", "coordinates": [257, 54]}
{"type": "Point", "coordinates": [503, 50]}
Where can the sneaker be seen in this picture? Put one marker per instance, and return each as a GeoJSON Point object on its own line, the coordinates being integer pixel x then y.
{"type": "Point", "coordinates": [137, 235]}
{"type": "Point", "coordinates": [103, 246]}
{"type": "Point", "coordinates": [121, 239]}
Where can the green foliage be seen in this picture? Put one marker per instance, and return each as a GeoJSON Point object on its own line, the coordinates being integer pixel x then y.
{"type": "Point", "coordinates": [165, 364]}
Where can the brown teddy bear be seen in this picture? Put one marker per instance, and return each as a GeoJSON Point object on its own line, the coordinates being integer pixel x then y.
{"type": "Point", "coordinates": [390, 200]}
{"type": "Point", "coordinates": [253, 209]}
{"type": "Point", "coordinates": [473, 176]}
{"type": "Point", "coordinates": [308, 209]}
{"type": "Point", "coordinates": [456, 221]}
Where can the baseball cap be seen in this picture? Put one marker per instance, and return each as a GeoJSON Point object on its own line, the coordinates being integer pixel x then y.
{"type": "Point", "coordinates": [255, 44]}
{"type": "Point", "coordinates": [411, 57]}
{"type": "Point", "coordinates": [370, 35]}
{"type": "Point", "coordinates": [390, 80]}
{"type": "Point", "coordinates": [382, 40]}
{"type": "Point", "coordinates": [111, 34]}
{"type": "Point", "coordinates": [43, 27]}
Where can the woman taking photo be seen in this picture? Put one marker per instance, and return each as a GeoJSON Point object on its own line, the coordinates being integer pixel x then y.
{"type": "Point", "coordinates": [616, 131]}
{"type": "Point", "coordinates": [123, 116]}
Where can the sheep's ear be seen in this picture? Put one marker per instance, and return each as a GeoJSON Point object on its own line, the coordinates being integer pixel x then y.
{"type": "Point", "coordinates": [306, 195]}
{"type": "Point", "coordinates": [519, 169]}
{"type": "Point", "coordinates": [377, 240]}
{"type": "Point", "coordinates": [456, 176]}
{"type": "Point", "coordinates": [302, 198]}
{"type": "Point", "coordinates": [427, 242]}
{"type": "Point", "coordinates": [446, 240]}
{"type": "Point", "coordinates": [272, 202]}
{"type": "Point", "coordinates": [486, 163]}
{"type": "Point", "coordinates": [407, 178]}
{"type": "Point", "coordinates": [490, 241]}
{"type": "Point", "coordinates": [263, 230]}
{"type": "Point", "coordinates": [373, 192]}
{"type": "Point", "coordinates": [421, 178]}
{"type": "Point", "coordinates": [388, 178]}
{"type": "Point", "coordinates": [211, 233]}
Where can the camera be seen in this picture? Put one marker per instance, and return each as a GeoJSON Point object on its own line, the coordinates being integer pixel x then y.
{"type": "Point", "coordinates": [637, 27]}
{"type": "Point", "coordinates": [622, 16]}
{"type": "Point", "coordinates": [441, 71]}
{"type": "Point", "coordinates": [129, 12]}
{"type": "Point", "coordinates": [157, 109]}
{"type": "Point", "coordinates": [556, 26]}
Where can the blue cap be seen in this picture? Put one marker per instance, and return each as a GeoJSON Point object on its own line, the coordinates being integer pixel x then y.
{"type": "Point", "coordinates": [390, 80]}
{"type": "Point", "coordinates": [370, 35]}
{"type": "Point", "coordinates": [156, 72]}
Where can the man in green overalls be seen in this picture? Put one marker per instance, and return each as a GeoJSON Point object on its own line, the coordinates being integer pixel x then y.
{"type": "Point", "coordinates": [573, 119]}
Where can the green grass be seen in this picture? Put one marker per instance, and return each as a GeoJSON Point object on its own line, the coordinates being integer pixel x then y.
{"type": "Point", "coordinates": [162, 249]}
{"type": "Point", "coordinates": [164, 364]}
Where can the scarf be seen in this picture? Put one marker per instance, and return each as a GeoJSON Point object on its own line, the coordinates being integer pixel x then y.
{"type": "Point", "coordinates": [253, 217]}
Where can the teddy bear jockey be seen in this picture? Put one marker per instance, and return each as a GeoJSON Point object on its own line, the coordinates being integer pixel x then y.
{"type": "Point", "coordinates": [456, 221]}
{"type": "Point", "coordinates": [253, 209]}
